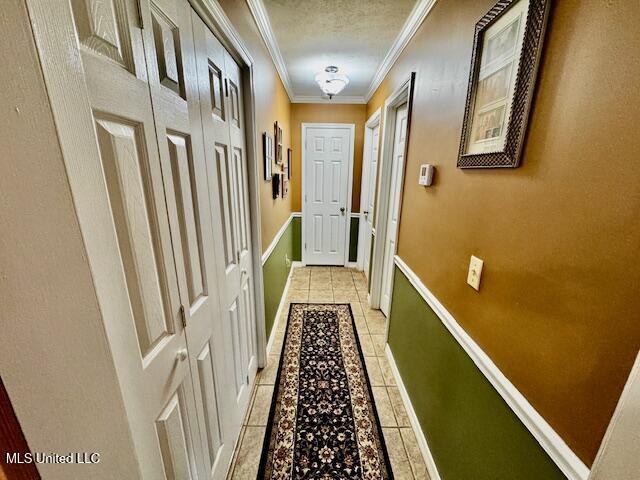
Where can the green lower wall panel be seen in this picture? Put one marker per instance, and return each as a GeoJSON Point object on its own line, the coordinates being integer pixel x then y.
{"type": "Point", "coordinates": [296, 225]}
{"type": "Point", "coordinates": [471, 432]}
{"type": "Point", "coordinates": [275, 270]}
{"type": "Point", "coordinates": [353, 239]}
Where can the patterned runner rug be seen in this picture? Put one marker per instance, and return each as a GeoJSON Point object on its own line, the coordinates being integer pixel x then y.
{"type": "Point", "coordinates": [323, 423]}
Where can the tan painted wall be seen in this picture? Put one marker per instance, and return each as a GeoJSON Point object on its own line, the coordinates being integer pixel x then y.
{"type": "Point", "coordinates": [321, 113]}
{"type": "Point", "coordinates": [54, 357]}
{"type": "Point", "coordinates": [560, 236]}
{"type": "Point", "coordinates": [272, 104]}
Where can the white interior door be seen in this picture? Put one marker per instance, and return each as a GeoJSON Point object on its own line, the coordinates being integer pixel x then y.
{"type": "Point", "coordinates": [171, 61]}
{"type": "Point", "coordinates": [327, 161]}
{"type": "Point", "coordinates": [148, 335]}
{"type": "Point", "coordinates": [397, 169]}
{"type": "Point", "coordinates": [222, 116]}
{"type": "Point", "coordinates": [370, 175]}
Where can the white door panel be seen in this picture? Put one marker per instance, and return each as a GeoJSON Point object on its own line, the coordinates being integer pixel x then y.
{"type": "Point", "coordinates": [171, 61]}
{"type": "Point", "coordinates": [169, 126]}
{"type": "Point", "coordinates": [397, 170]}
{"type": "Point", "coordinates": [326, 192]}
{"type": "Point", "coordinates": [157, 388]}
{"type": "Point", "coordinates": [222, 116]}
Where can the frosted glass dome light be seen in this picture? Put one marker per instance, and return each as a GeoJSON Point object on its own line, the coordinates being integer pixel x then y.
{"type": "Point", "coordinates": [331, 82]}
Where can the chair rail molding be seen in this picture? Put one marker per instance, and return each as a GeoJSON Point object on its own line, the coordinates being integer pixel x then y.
{"type": "Point", "coordinates": [547, 437]}
{"type": "Point", "coordinates": [276, 239]}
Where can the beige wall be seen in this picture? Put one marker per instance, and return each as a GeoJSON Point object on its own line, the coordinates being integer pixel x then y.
{"type": "Point", "coordinates": [272, 104]}
{"type": "Point", "coordinates": [560, 236]}
{"type": "Point", "coordinates": [321, 113]}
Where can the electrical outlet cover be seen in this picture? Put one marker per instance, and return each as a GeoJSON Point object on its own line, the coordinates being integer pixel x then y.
{"type": "Point", "coordinates": [475, 272]}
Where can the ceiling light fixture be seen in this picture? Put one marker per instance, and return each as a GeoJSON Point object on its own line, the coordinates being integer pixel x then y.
{"type": "Point", "coordinates": [331, 82]}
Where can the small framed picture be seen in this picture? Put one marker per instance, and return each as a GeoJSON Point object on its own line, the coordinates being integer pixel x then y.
{"type": "Point", "coordinates": [278, 136]}
{"type": "Point", "coordinates": [285, 185]}
{"type": "Point", "coordinates": [275, 185]}
{"type": "Point", "coordinates": [267, 153]}
{"type": "Point", "coordinates": [504, 62]}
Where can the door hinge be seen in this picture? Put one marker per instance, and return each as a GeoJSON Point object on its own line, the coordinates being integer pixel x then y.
{"type": "Point", "coordinates": [183, 316]}
{"type": "Point", "coordinates": [305, 246]}
{"type": "Point", "coordinates": [140, 18]}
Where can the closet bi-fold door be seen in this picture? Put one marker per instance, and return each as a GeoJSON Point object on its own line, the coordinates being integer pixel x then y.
{"type": "Point", "coordinates": [140, 72]}
{"type": "Point", "coordinates": [224, 137]}
{"type": "Point", "coordinates": [171, 63]}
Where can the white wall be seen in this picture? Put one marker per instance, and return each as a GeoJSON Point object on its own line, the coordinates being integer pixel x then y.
{"type": "Point", "coordinates": [54, 357]}
{"type": "Point", "coordinates": [619, 455]}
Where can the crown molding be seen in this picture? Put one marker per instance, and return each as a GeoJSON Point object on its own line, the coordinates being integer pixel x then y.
{"type": "Point", "coordinates": [409, 29]}
{"type": "Point", "coordinates": [334, 100]}
{"type": "Point", "coordinates": [259, 13]}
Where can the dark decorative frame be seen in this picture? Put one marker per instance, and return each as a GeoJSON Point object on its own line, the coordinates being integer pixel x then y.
{"type": "Point", "coordinates": [284, 188]}
{"type": "Point", "coordinates": [535, 26]}
{"type": "Point", "coordinates": [275, 185]}
{"type": "Point", "coordinates": [288, 167]}
{"type": "Point", "coordinates": [267, 155]}
{"type": "Point", "coordinates": [278, 137]}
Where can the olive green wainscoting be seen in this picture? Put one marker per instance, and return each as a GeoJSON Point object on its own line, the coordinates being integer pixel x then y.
{"type": "Point", "coordinates": [353, 239]}
{"type": "Point", "coordinates": [471, 432]}
{"type": "Point", "coordinates": [275, 270]}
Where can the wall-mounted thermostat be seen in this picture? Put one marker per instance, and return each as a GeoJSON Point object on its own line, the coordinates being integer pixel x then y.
{"type": "Point", "coordinates": [426, 175]}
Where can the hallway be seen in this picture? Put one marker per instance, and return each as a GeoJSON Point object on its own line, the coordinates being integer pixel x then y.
{"type": "Point", "coordinates": [334, 285]}
{"type": "Point", "coordinates": [171, 170]}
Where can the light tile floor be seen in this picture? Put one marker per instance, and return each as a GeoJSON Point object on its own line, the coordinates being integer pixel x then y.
{"type": "Point", "coordinates": [335, 285]}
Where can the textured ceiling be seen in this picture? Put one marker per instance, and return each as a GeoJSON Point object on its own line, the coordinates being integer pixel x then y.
{"type": "Point", "coordinates": [353, 35]}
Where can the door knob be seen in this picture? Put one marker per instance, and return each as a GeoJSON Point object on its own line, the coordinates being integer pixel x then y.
{"type": "Point", "coordinates": [182, 355]}
{"type": "Point", "coordinates": [342, 210]}
{"type": "Point", "coordinates": [366, 212]}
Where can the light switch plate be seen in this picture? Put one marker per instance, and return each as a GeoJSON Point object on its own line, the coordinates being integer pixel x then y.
{"type": "Point", "coordinates": [475, 272]}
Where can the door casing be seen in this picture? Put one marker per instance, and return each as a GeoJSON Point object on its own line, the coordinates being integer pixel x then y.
{"type": "Point", "coordinates": [403, 94]}
{"type": "Point", "coordinates": [370, 125]}
{"type": "Point", "coordinates": [352, 128]}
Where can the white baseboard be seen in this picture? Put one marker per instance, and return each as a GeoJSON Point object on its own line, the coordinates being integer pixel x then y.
{"type": "Point", "coordinates": [432, 470]}
{"type": "Point", "coordinates": [352, 264]}
{"type": "Point", "coordinates": [557, 449]}
{"type": "Point", "coordinates": [281, 307]}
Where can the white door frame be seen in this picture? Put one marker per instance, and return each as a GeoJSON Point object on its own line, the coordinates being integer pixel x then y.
{"type": "Point", "coordinates": [372, 122]}
{"type": "Point", "coordinates": [619, 453]}
{"type": "Point", "coordinates": [401, 95]}
{"type": "Point", "coordinates": [352, 129]}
